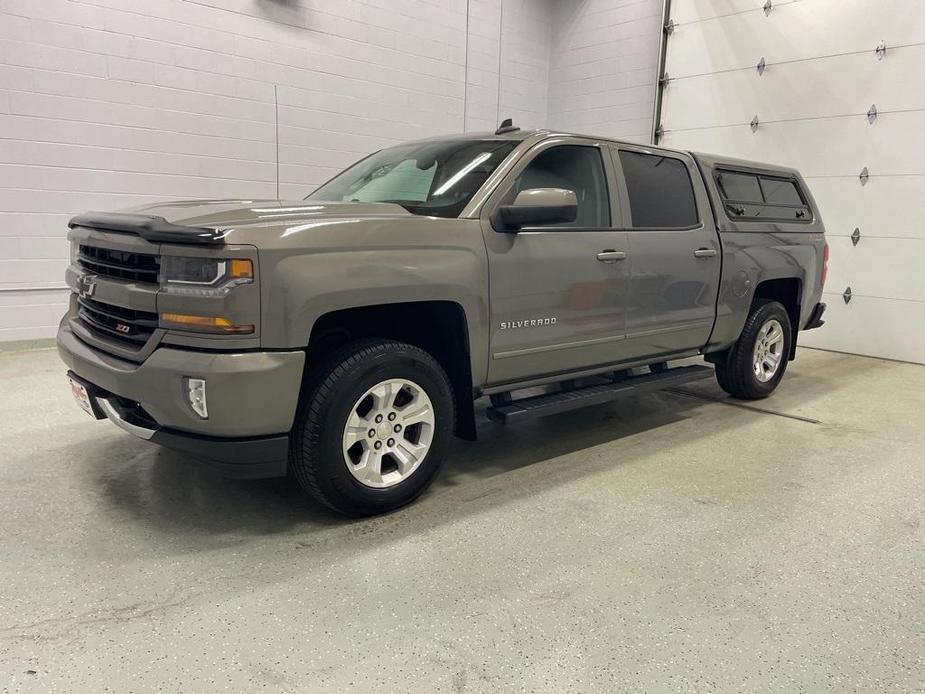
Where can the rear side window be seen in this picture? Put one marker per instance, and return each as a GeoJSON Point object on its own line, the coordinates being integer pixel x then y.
{"type": "Point", "coordinates": [780, 192]}
{"type": "Point", "coordinates": [660, 191]}
{"type": "Point", "coordinates": [742, 187]}
{"type": "Point", "coordinates": [759, 197]}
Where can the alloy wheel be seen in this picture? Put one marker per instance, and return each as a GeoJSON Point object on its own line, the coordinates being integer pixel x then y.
{"type": "Point", "coordinates": [388, 433]}
{"type": "Point", "coordinates": [769, 350]}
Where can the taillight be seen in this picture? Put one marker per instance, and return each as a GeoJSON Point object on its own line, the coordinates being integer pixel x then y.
{"type": "Point", "coordinates": [825, 263]}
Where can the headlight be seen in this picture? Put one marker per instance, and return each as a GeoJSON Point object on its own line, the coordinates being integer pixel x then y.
{"type": "Point", "coordinates": [199, 295]}
{"type": "Point", "coordinates": [205, 272]}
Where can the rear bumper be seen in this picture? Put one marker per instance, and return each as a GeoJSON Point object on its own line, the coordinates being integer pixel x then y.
{"type": "Point", "coordinates": [815, 317]}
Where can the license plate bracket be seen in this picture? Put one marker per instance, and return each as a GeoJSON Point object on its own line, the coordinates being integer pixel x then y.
{"type": "Point", "coordinates": [84, 396]}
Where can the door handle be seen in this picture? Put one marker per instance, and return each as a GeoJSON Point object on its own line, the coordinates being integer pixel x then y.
{"type": "Point", "coordinates": [704, 252]}
{"type": "Point", "coordinates": [609, 256]}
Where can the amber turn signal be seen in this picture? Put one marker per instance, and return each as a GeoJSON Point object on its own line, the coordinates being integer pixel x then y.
{"type": "Point", "coordinates": [240, 269]}
{"type": "Point", "coordinates": [212, 324]}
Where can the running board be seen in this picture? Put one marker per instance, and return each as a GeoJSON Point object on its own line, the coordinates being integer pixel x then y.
{"type": "Point", "coordinates": [562, 401]}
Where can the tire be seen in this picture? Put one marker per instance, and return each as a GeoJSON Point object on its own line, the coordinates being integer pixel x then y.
{"type": "Point", "coordinates": [363, 385]}
{"type": "Point", "coordinates": [737, 373]}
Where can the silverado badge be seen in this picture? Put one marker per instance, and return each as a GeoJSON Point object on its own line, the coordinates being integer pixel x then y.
{"type": "Point", "coordinates": [532, 323]}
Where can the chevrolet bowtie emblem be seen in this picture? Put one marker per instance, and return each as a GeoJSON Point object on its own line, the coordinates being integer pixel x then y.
{"type": "Point", "coordinates": [86, 285]}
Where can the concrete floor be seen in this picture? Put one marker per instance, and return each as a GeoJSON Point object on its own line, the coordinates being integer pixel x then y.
{"type": "Point", "coordinates": [663, 543]}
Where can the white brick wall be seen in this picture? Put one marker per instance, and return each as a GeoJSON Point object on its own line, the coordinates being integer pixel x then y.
{"type": "Point", "coordinates": [603, 67]}
{"type": "Point", "coordinates": [525, 56]}
{"type": "Point", "coordinates": [106, 104]}
{"type": "Point", "coordinates": [525, 27]}
{"type": "Point", "coordinates": [110, 103]}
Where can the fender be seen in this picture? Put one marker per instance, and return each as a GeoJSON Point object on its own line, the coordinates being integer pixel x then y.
{"type": "Point", "coordinates": [750, 259]}
{"type": "Point", "coordinates": [388, 268]}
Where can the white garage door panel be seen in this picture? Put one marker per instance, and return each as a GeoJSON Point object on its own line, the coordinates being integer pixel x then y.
{"type": "Point", "coordinates": [886, 328]}
{"type": "Point", "coordinates": [878, 267]}
{"type": "Point", "coordinates": [683, 11]}
{"type": "Point", "coordinates": [894, 144]}
{"type": "Point", "coordinates": [829, 87]}
{"type": "Point", "coordinates": [822, 76]}
{"type": "Point", "coordinates": [798, 31]}
{"type": "Point", "coordinates": [892, 206]}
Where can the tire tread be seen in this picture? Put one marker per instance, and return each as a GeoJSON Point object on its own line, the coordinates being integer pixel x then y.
{"type": "Point", "coordinates": [317, 390]}
{"type": "Point", "coordinates": [734, 373]}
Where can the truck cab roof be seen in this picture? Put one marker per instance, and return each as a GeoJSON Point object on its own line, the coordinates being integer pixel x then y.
{"type": "Point", "coordinates": [538, 134]}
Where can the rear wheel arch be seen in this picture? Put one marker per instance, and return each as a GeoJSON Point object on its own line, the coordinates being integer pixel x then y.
{"type": "Point", "coordinates": [440, 328]}
{"type": "Point", "coordinates": [788, 291]}
{"type": "Point", "coordinates": [754, 366]}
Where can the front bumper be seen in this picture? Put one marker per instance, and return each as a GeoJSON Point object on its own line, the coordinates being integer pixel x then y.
{"type": "Point", "coordinates": [252, 399]}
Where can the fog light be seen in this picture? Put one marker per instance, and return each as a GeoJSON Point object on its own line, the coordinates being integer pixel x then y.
{"type": "Point", "coordinates": [196, 392]}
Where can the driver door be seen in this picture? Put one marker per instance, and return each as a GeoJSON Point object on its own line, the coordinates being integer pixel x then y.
{"type": "Point", "coordinates": [557, 292]}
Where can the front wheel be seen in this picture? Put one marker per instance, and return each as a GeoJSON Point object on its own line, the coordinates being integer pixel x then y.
{"type": "Point", "coordinates": [373, 427]}
{"type": "Point", "coordinates": [755, 364]}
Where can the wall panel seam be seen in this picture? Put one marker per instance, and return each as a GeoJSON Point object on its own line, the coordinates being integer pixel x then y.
{"type": "Point", "coordinates": [793, 61]}
{"type": "Point", "coordinates": [780, 121]}
{"type": "Point", "coordinates": [858, 295]}
{"type": "Point", "coordinates": [777, 4]}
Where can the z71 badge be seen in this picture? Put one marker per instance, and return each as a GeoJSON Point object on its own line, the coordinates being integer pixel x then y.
{"type": "Point", "coordinates": [532, 323]}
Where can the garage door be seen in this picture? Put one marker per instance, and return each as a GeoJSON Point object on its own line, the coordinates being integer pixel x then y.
{"type": "Point", "coordinates": [802, 83]}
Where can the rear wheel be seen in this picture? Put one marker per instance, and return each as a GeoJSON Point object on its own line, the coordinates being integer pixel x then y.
{"type": "Point", "coordinates": [373, 427]}
{"type": "Point", "coordinates": [755, 364]}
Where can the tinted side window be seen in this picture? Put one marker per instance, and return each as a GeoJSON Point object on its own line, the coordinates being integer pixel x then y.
{"type": "Point", "coordinates": [759, 196]}
{"type": "Point", "coordinates": [660, 191]}
{"type": "Point", "coordinates": [739, 186]}
{"type": "Point", "coordinates": [780, 192]}
{"type": "Point", "coordinates": [576, 168]}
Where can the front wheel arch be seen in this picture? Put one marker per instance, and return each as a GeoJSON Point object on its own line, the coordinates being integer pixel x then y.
{"type": "Point", "coordinates": [440, 328]}
{"type": "Point", "coordinates": [318, 459]}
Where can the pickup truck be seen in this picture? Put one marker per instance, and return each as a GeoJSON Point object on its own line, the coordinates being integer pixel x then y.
{"type": "Point", "coordinates": [343, 339]}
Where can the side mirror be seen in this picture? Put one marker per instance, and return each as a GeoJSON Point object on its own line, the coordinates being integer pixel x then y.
{"type": "Point", "coordinates": [537, 206]}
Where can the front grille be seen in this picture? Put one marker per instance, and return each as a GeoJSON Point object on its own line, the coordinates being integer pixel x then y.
{"type": "Point", "coordinates": [137, 267]}
{"type": "Point", "coordinates": [117, 322]}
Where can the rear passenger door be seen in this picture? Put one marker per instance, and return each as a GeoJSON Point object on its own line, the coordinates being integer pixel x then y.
{"type": "Point", "coordinates": [674, 253]}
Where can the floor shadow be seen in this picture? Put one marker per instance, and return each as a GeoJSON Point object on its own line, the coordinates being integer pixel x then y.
{"type": "Point", "coordinates": [171, 495]}
{"type": "Point", "coordinates": [813, 377]}
{"type": "Point", "coordinates": [174, 491]}
{"type": "Point", "coordinates": [504, 448]}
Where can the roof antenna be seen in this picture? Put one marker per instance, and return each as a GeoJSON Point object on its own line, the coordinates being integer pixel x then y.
{"type": "Point", "coordinates": [507, 126]}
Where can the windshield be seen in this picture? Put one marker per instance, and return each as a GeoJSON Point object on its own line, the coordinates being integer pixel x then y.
{"type": "Point", "coordinates": [426, 178]}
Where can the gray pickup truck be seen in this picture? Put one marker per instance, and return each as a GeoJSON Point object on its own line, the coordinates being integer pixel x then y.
{"type": "Point", "coordinates": [344, 338]}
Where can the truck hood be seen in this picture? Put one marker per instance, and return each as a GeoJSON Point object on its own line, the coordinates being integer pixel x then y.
{"type": "Point", "coordinates": [212, 214]}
